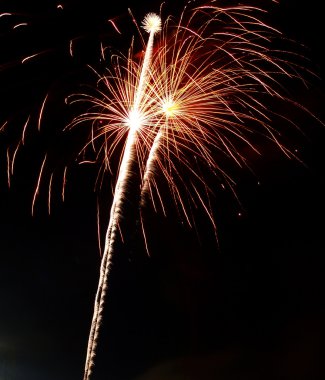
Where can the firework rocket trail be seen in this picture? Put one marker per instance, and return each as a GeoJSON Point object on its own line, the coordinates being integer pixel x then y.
{"type": "Point", "coordinates": [151, 24]}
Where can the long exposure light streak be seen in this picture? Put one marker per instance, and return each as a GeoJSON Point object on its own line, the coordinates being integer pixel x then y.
{"type": "Point", "coordinates": [134, 122]}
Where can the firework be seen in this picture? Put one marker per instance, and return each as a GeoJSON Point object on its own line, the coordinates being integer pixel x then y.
{"type": "Point", "coordinates": [209, 73]}
{"type": "Point", "coordinates": [198, 94]}
{"type": "Point", "coordinates": [133, 120]}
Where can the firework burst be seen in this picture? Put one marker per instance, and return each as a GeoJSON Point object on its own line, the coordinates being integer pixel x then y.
{"type": "Point", "coordinates": [199, 92]}
{"type": "Point", "coordinates": [210, 71]}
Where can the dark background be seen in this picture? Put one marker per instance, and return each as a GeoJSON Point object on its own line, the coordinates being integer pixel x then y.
{"type": "Point", "coordinates": [251, 306]}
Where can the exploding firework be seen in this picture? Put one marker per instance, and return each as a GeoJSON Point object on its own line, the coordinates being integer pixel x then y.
{"type": "Point", "coordinates": [197, 96]}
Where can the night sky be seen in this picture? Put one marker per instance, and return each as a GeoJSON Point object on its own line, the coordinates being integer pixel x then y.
{"type": "Point", "coordinates": [248, 307]}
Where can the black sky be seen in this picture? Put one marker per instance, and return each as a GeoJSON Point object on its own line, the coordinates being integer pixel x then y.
{"type": "Point", "coordinates": [251, 308]}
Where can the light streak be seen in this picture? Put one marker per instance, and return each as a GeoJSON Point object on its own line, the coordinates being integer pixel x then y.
{"type": "Point", "coordinates": [24, 131]}
{"type": "Point", "coordinates": [41, 113]}
{"type": "Point", "coordinates": [50, 194]}
{"type": "Point", "coordinates": [24, 60]}
{"type": "Point", "coordinates": [3, 126]}
{"type": "Point", "coordinates": [98, 230]}
{"type": "Point", "coordinates": [38, 183]}
{"type": "Point", "coordinates": [20, 25]}
{"type": "Point", "coordinates": [64, 182]}
{"type": "Point", "coordinates": [5, 14]}
{"type": "Point", "coordinates": [71, 48]}
{"type": "Point", "coordinates": [14, 158]}
{"type": "Point", "coordinates": [134, 121]}
{"type": "Point", "coordinates": [8, 167]}
{"type": "Point", "coordinates": [114, 26]}
{"type": "Point", "coordinates": [11, 162]}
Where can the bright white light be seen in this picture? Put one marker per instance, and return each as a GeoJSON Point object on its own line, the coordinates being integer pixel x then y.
{"type": "Point", "coordinates": [169, 107]}
{"type": "Point", "coordinates": [135, 120]}
{"type": "Point", "coordinates": [152, 23]}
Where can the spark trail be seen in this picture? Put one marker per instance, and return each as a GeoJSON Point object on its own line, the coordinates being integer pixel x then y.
{"type": "Point", "coordinates": [212, 74]}
{"type": "Point", "coordinates": [152, 25]}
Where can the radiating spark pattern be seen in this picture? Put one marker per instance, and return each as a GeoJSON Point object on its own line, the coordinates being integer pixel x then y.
{"type": "Point", "coordinates": [201, 94]}
{"type": "Point", "coordinates": [152, 23]}
{"type": "Point", "coordinates": [208, 75]}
